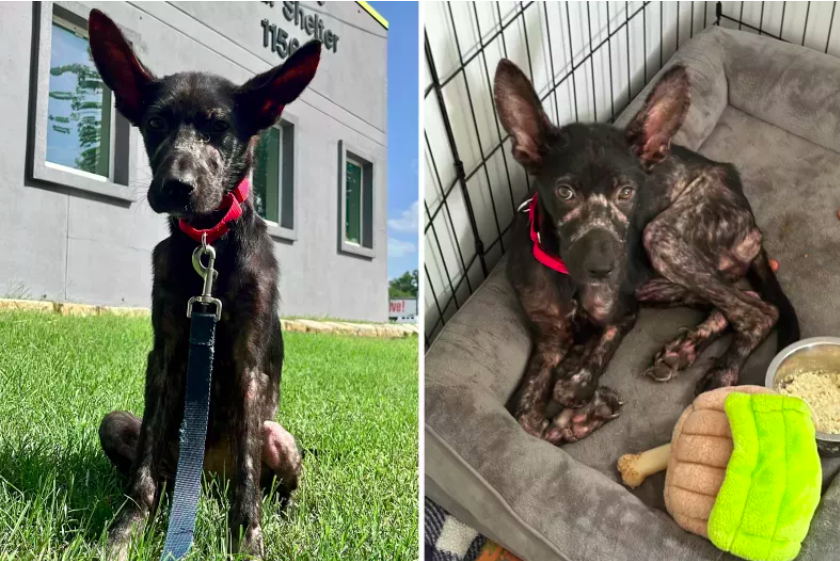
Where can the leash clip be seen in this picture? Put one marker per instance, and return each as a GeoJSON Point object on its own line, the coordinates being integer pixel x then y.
{"type": "Point", "coordinates": [209, 274]}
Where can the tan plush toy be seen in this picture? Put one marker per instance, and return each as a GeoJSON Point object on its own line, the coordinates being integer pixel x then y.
{"type": "Point", "coordinates": [743, 471]}
{"type": "Point", "coordinates": [696, 459]}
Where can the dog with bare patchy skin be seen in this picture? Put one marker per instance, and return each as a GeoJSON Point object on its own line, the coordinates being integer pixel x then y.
{"type": "Point", "coordinates": [636, 222]}
{"type": "Point", "coordinates": [200, 132]}
{"type": "Point", "coordinates": [701, 239]}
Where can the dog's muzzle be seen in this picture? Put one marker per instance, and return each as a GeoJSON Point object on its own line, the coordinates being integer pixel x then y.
{"type": "Point", "coordinates": [598, 252]}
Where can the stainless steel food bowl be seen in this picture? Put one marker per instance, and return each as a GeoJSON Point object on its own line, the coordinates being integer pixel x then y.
{"type": "Point", "coordinates": [817, 353]}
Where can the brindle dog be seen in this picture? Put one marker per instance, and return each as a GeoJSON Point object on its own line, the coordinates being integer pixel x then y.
{"type": "Point", "coordinates": [636, 221]}
{"type": "Point", "coordinates": [200, 132]}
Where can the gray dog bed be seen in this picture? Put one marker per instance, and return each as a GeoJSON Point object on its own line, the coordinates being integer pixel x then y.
{"type": "Point", "coordinates": [773, 110]}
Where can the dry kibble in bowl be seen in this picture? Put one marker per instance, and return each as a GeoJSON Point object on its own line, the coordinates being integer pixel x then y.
{"type": "Point", "coordinates": [821, 390]}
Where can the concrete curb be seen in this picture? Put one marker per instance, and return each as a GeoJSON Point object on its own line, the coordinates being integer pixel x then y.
{"type": "Point", "coordinates": [68, 309]}
{"type": "Point", "coordinates": [387, 330]}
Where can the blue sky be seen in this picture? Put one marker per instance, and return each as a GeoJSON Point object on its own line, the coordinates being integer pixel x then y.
{"type": "Point", "coordinates": [403, 165]}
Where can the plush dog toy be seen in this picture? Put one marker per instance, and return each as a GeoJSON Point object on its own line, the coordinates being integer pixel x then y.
{"type": "Point", "coordinates": [743, 471]}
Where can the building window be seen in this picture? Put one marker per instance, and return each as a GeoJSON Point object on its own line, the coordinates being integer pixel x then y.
{"type": "Point", "coordinates": [274, 180]}
{"type": "Point", "coordinates": [267, 175]}
{"type": "Point", "coordinates": [353, 196]}
{"type": "Point", "coordinates": [356, 180]}
{"type": "Point", "coordinates": [80, 141]}
{"type": "Point", "coordinates": [79, 109]}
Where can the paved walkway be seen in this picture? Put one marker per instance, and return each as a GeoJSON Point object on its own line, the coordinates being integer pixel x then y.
{"type": "Point", "coordinates": [391, 330]}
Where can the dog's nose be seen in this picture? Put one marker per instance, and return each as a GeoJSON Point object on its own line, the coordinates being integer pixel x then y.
{"type": "Point", "coordinates": [600, 269]}
{"type": "Point", "coordinates": [599, 252]}
{"type": "Point", "coordinates": [176, 188]}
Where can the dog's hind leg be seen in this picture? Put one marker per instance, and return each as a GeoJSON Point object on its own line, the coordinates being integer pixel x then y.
{"type": "Point", "coordinates": [683, 351]}
{"type": "Point", "coordinates": [118, 434]}
{"type": "Point", "coordinates": [727, 368]}
{"type": "Point", "coordinates": [682, 263]}
{"type": "Point", "coordinates": [662, 293]}
{"type": "Point", "coordinates": [281, 461]}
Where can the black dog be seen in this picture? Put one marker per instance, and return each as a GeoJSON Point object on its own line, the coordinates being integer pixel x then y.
{"type": "Point", "coordinates": [635, 222]}
{"type": "Point", "coordinates": [587, 181]}
{"type": "Point", "coordinates": [200, 132]}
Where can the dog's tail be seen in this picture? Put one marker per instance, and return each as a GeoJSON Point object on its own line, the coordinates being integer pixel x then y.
{"type": "Point", "coordinates": [763, 279]}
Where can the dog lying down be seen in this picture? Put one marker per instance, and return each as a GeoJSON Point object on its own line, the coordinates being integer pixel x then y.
{"type": "Point", "coordinates": [619, 219]}
{"type": "Point", "coordinates": [200, 132]}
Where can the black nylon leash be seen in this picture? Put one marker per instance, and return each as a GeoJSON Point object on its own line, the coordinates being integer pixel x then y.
{"type": "Point", "coordinates": [182, 516]}
{"type": "Point", "coordinates": [184, 510]}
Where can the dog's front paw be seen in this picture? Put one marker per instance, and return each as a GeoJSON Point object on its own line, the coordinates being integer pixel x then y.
{"type": "Point", "coordinates": [573, 424]}
{"type": "Point", "coordinates": [119, 541]}
{"type": "Point", "coordinates": [533, 422]}
{"type": "Point", "coordinates": [128, 523]}
{"type": "Point", "coordinates": [717, 378]}
{"type": "Point", "coordinates": [575, 391]}
{"type": "Point", "coordinates": [251, 543]}
{"type": "Point", "coordinates": [117, 550]}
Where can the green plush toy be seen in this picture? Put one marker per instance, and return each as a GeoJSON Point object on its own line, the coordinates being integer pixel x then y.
{"type": "Point", "coordinates": [773, 480]}
{"type": "Point", "coordinates": [743, 470]}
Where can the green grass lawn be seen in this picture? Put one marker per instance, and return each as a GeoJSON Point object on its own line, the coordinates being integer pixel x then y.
{"type": "Point", "coordinates": [353, 400]}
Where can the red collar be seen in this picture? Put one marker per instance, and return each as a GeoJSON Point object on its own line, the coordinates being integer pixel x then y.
{"type": "Point", "coordinates": [233, 203]}
{"type": "Point", "coordinates": [551, 261]}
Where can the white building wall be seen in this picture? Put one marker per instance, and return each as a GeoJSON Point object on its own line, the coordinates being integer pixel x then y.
{"type": "Point", "coordinates": [62, 244]}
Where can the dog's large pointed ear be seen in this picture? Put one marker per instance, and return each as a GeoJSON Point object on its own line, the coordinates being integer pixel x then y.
{"type": "Point", "coordinates": [521, 114]}
{"type": "Point", "coordinates": [262, 98]}
{"type": "Point", "coordinates": [119, 67]}
{"type": "Point", "coordinates": [651, 130]}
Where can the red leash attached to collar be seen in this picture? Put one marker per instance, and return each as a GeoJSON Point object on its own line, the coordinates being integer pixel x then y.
{"type": "Point", "coordinates": [233, 203]}
{"type": "Point", "coordinates": [550, 261]}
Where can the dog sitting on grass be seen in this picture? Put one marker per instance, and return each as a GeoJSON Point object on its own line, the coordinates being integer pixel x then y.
{"type": "Point", "coordinates": [200, 132]}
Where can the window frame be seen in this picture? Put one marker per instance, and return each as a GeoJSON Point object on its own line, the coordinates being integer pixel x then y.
{"type": "Point", "coordinates": [366, 248]}
{"type": "Point", "coordinates": [123, 140]}
{"type": "Point", "coordinates": [288, 126]}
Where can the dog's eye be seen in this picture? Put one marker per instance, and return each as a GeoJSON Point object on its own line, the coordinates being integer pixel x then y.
{"type": "Point", "coordinates": [220, 126]}
{"type": "Point", "coordinates": [626, 193]}
{"type": "Point", "coordinates": [565, 192]}
{"type": "Point", "coordinates": [156, 123]}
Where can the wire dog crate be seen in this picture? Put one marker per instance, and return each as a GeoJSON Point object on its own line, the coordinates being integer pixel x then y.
{"type": "Point", "coordinates": [587, 62]}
